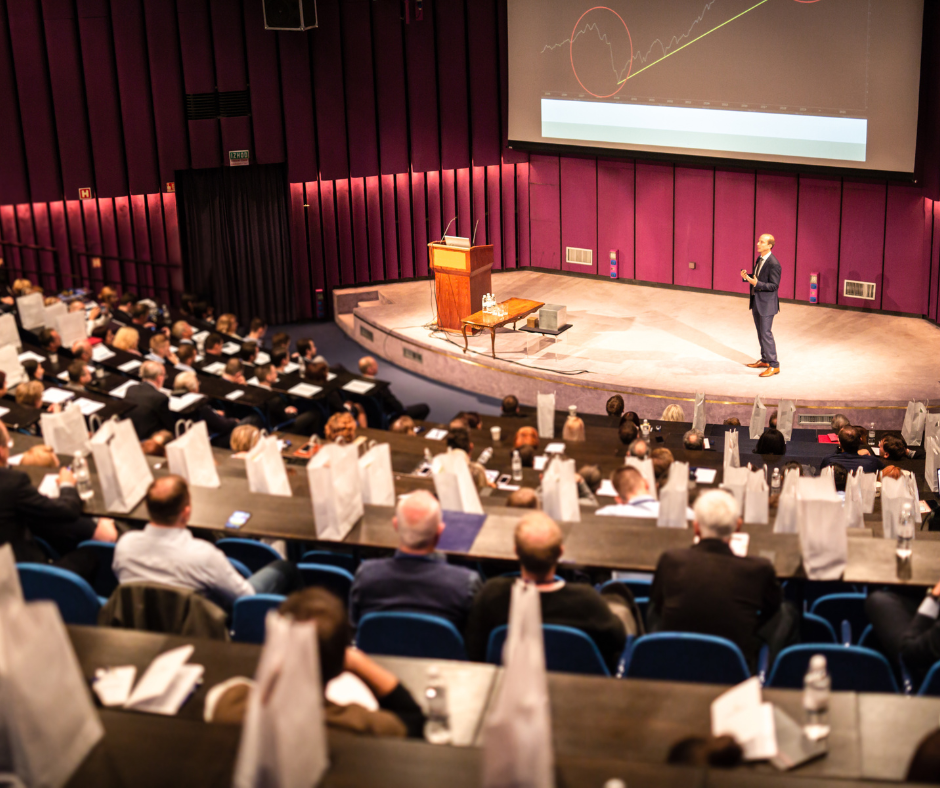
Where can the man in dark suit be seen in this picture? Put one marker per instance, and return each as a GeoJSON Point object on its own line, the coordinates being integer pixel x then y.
{"type": "Point", "coordinates": [152, 412]}
{"type": "Point", "coordinates": [764, 303]}
{"type": "Point", "coordinates": [707, 589]}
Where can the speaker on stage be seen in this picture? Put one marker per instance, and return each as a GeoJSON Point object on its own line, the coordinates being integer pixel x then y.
{"type": "Point", "coordinates": [290, 14]}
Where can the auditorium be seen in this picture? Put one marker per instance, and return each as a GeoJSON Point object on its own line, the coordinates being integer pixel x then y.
{"type": "Point", "coordinates": [501, 393]}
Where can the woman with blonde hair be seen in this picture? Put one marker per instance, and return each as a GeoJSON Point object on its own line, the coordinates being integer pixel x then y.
{"type": "Point", "coordinates": [573, 429]}
{"type": "Point", "coordinates": [21, 287]}
{"type": "Point", "coordinates": [341, 425]}
{"type": "Point", "coordinates": [30, 394]}
{"type": "Point", "coordinates": [243, 439]}
{"type": "Point", "coordinates": [127, 339]}
{"type": "Point", "coordinates": [673, 413]}
{"type": "Point", "coordinates": [227, 324]}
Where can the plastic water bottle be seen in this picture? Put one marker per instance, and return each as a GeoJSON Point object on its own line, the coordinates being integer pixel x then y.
{"type": "Point", "coordinates": [871, 433]}
{"type": "Point", "coordinates": [816, 686]}
{"type": "Point", "coordinates": [82, 477]}
{"type": "Point", "coordinates": [427, 456]}
{"type": "Point", "coordinates": [905, 532]}
{"type": "Point", "coordinates": [645, 429]}
{"type": "Point", "coordinates": [485, 456]}
{"type": "Point", "coordinates": [775, 482]}
{"type": "Point", "coordinates": [516, 466]}
{"type": "Point", "coordinates": [437, 727]}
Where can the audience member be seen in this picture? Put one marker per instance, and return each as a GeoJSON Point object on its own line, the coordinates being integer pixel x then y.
{"type": "Point", "coordinates": [792, 466]}
{"type": "Point", "coordinates": [243, 439]}
{"type": "Point", "coordinates": [216, 421]}
{"type": "Point", "coordinates": [527, 454]}
{"type": "Point", "coordinates": [161, 352]}
{"type": "Point", "coordinates": [81, 350]}
{"type": "Point", "coordinates": [340, 427]}
{"type": "Point", "coordinates": [212, 348]}
{"type": "Point", "coordinates": [280, 343]}
{"type": "Point", "coordinates": [128, 340]}
{"type": "Point", "coordinates": [391, 405]}
{"type": "Point", "coordinates": [234, 372]}
{"type": "Point", "coordinates": [404, 425]}
{"type": "Point", "coordinates": [893, 447]}
{"type": "Point", "coordinates": [838, 422]}
{"type": "Point", "coordinates": [840, 477]}
{"type": "Point", "coordinates": [589, 481]}
{"type": "Point", "coordinates": [256, 330]}
{"type": "Point", "coordinates": [306, 350]}
{"type": "Point", "coordinates": [473, 419]}
{"type": "Point", "coordinates": [771, 441]}
{"type": "Point", "coordinates": [849, 458]}
{"type": "Point", "coordinates": [694, 440]}
{"type": "Point", "coordinates": [186, 358]}
{"type": "Point", "coordinates": [30, 394]}
{"type": "Point", "coordinates": [510, 407]}
{"type": "Point", "coordinates": [634, 498]}
{"type": "Point", "coordinates": [891, 472]}
{"type": "Point", "coordinates": [50, 341]}
{"type": "Point", "coordinates": [639, 449]}
{"type": "Point", "coordinates": [732, 421]}
{"type": "Point", "coordinates": [615, 406]}
{"type": "Point", "coordinates": [526, 436]}
{"type": "Point", "coordinates": [155, 445]}
{"type": "Point", "coordinates": [227, 324]}
{"type": "Point", "coordinates": [152, 411]}
{"type": "Point", "coordinates": [34, 369]}
{"type": "Point", "coordinates": [181, 333]}
{"type": "Point", "coordinates": [924, 767]}
{"type": "Point", "coordinates": [40, 456]}
{"type": "Point", "coordinates": [628, 432]}
{"type": "Point", "coordinates": [662, 459]}
{"type": "Point", "coordinates": [249, 353]}
{"type": "Point", "coordinates": [524, 498]}
{"type": "Point", "coordinates": [673, 413]}
{"type": "Point", "coordinates": [573, 430]}
{"type": "Point", "coordinates": [79, 376]}
{"type": "Point", "coordinates": [631, 416]}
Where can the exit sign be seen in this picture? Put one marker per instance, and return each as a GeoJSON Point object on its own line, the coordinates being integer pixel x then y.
{"type": "Point", "coordinates": [84, 194]}
{"type": "Point", "coordinates": [171, 186]}
{"type": "Point", "coordinates": [238, 158]}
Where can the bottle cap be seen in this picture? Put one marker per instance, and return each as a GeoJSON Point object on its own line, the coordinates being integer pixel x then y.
{"type": "Point", "coordinates": [817, 663]}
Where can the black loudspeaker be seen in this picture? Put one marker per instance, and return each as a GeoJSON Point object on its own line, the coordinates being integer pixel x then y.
{"type": "Point", "coordinates": [290, 14]}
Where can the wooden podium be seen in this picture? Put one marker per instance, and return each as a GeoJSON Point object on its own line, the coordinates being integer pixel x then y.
{"type": "Point", "coordinates": [461, 278]}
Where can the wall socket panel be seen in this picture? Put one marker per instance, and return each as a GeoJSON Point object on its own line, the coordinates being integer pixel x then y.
{"type": "Point", "coordinates": [691, 265]}
{"type": "Point", "coordinates": [411, 355]}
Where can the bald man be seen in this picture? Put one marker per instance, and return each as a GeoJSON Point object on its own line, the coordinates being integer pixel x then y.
{"type": "Point", "coordinates": [764, 303]}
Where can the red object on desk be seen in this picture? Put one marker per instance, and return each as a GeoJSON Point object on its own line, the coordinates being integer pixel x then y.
{"type": "Point", "coordinates": [830, 438]}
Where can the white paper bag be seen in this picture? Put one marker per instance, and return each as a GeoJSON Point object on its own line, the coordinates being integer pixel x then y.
{"type": "Point", "coordinates": [735, 482]}
{"type": "Point", "coordinates": [758, 418]}
{"type": "Point", "coordinates": [265, 467]}
{"type": "Point", "coordinates": [32, 311]}
{"type": "Point", "coordinates": [786, 410]}
{"type": "Point", "coordinates": [375, 476]}
{"type": "Point", "coordinates": [915, 418]}
{"type": "Point", "coordinates": [866, 483]}
{"type": "Point", "coordinates": [645, 467]}
{"type": "Point", "coordinates": [546, 415]}
{"type": "Point", "coordinates": [731, 457]}
{"type": "Point", "coordinates": [65, 431]}
{"type": "Point", "coordinates": [932, 426]}
{"type": "Point", "coordinates": [53, 312]}
{"type": "Point", "coordinates": [9, 333]}
{"type": "Point", "coordinates": [517, 732]}
{"type": "Point", "coordinates": [10, 590]}
{"type": "Point", "coordinates": [560, 491]}
{"type": "Point", "coordinates": [190, 456]}
{"type": "Point", "coordinates": [453, 483]}
{"type": "Point", "coordinates": [283, 741]}
{"type": "Point", "coordinates": [854, 507]}
{"type": "Point", "coordinates": [122, 468]}
{"type": "Point", "coordinates": [698, 416]}
{"type": "Point", "coordinates": [72, 328]}
{"type": "Point", "coordinates": [335, 489]}
{"type": "Point", "coordinates": [10, 363]}
{"type": "Point", "coordinates": [894, 494]}
{"type": "Point", "coordinates": [674, 497]}
{"type": "Point", "coordinates": [756, 495]}
{"type": "Point", "coordinates": [823, 539]}
{"type": "Point", "coordinates": [786, 521]}
{"type": "Point", "coordinates": [932, 448]}
{"type": "Point", "coordinates": [48, 723]}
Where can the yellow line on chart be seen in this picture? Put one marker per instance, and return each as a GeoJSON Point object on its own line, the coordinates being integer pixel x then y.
{"type": "Point", "coordinates": [691, 42]}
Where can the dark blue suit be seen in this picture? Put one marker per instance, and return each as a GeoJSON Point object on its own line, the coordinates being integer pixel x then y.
{"type": "Point", "coordinates": [764, 305]}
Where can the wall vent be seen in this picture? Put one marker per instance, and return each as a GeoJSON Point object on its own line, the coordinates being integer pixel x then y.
{"type": "Point", "coordinates": [579, 256]}
{"type": "Point", "coordinates": [218, 104]}
{"type": "Point", "coordinates": [412, 355]}
{"type": "Point", "coordinates": [815, 421]}
{"type": "Point", "coordinates": [852, 289]}
{"type": "Point", "coordinates": [363, 331]}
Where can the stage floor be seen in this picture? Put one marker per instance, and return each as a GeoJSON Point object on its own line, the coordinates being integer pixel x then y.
{"type": "Point", "coordinates": [655, 344]}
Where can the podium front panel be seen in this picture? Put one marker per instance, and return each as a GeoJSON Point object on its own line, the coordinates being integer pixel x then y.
{"type": "Point", "coordinates": [454, 259]}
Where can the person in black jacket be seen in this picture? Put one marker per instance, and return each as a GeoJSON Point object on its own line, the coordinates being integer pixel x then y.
{"type": "Point", "coordinates": [218, 424]}
{"type": "Point", "coordinates": [152, 411]}
{"type": "Point", "coordinates": [907, 627]}
{"type": "Point", "coordinates": [392, 406]}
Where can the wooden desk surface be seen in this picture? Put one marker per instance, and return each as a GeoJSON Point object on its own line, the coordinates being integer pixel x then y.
{"type": "Point", "coordinates": [516, 309]}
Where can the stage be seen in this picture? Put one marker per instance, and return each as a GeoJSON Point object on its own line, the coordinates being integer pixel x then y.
{"type": "Point", "coordinates": [657, 345]}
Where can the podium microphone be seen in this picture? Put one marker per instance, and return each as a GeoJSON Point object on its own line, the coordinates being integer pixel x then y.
{"type": "Point", "coordinates": [448, 227]}
{"type": "Point", "coordinates": [475, 233]}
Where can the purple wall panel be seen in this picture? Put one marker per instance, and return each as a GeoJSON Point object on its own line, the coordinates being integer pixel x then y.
{"type": "Point", "coordinates": [158, 244]}
{"type": "Point", "coordinates": [493, 214]}
{"type": "Point", "coordinates": [360, 229]}
{"type": "Point", "coordinates": [391, 102]}
{"type": "Point", "coordinates": [434, 227]}
{"type": "Point", "coordinates": [130, 54]}
{"type": "Point", "coordinates": [344, 230]}
{"type": "Point", "coordinates": [906, 270]}
{"type": "Point", "coordinates": [109, 242]}
{"type": "Point", "coordinates": [263, 76]}
{"type": "Point", "coordinates": [929, 260]}
{"type": "Point", "coordinates": [478, 213]}
{"type": "Point", "coordinates": [166, 80]}
{"type": "Point", "coordinates": [76, 227]}
{"type": "Point", "coordinates": [360, 89]}
{"type": "Point", "coordinates": [195, 36]}
{"type": "Point", "coordinates": [231, 73]}
{"type": "Point", "coordinates": [579, 210]}
{"type": "Point", "coordinates": [331, 264]}
{"type": "Point", "coordinates": [173, 251]}
{"type": "Point", "coordinates": [934, 261]}
{"type": "Point", "coordinates": [449, 203]}
{"type": "Point", "coordinates": [298, 108]}
{"type": "Point", "coordinates": [734, 229]}
{"type": "Point", "coordinates": [861, 248]}
{"type": "Point", "coordinates": [10, 232]}
{"type": "Point", "coordinates": [374, 219]}
{"type": "Point", "coordinates": [464, 214]}
{"type": "Point", "coordinates": [35, 97]}
{"type": "Point", "coordinates": [47, 261]}
{"type": "Point", "coordinates": [101, 91]}
{"type": "Point", "coordinates": [544, 212]}
{"type": "Point", "coordinates": [299, 257]}
{"type": "Point", "coordinates": [817, 245]}
{"type": "Point", "coordinates": [60, 239]}
{"type": "Point", "coordinates": [694, 227]}
{"type": "Point", "coordinates": [654, 222]}
{"type": "Point", "coordinates": [68, 95]}
{"type": "Point", "coordinates": [125, 228]}
{"type": "Point", "coordinates": [776, 214]}
{"type": "Point", "coordinates": [314, 235]}
{"type": "Point", "coordinates": [92, 230]}
{"type": "Point", "coordinates": [509, 156]}
{"type": "Point", "coordinates": [14, 185]}
{"type": "Point", "coordinates": [484, 84]}
{"type": "Point", "coordinates": [422, 93]}
{"type": "Point", "coordinates": [27, 235]}
{"type": "Point", "coordinates": [412, 208]}
{"type": "Point", "coordinates": [390, 226]}
{"type": "Point", "coordinates": [328, 85]}
{"type": "Point", "coordinates": [615, 216]}
{"type": "Point", "coordinates": [236, 135]}
{"type": "Point", "coordinates": [508, 207]}
{"type": "Point", "coordinates": [452, 74]}
{"type": "Point", "coordinates": [141, 240]}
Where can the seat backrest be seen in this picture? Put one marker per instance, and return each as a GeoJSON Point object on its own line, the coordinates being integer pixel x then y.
{"type": "Point", "coordinates": [815, 629]}
{"type": "Point", "coordinates": [851, 668]}
{"type": "Point", "coordinates": [639, 586]}
{"type": "Point", "coordinates": [105, 579]}
{"type": "Point", "coordinates": [249, 614]}
{"type": "Point", "coordinates": [254, 555]}
{"type": "Point", "coordinates": [567, 650]}
{"type": "Point", "coordinates": [836, 608]}
{"type": "Point", "coordinates": [334, 579]}
{"type": "Point", "coordinates": [686, 656]}
{"type": "Point", "coordinates": [329, 558]}
{"type": "Point", "coordinates": [154, 607]}
{"type": "Point", "coordinates": [931, 683]}
{"type": "Point", "coordinates": [406, 634]}
{"type": "Point", "coordinates": [76, 600]}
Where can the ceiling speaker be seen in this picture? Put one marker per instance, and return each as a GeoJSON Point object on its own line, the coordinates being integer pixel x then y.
{"type": "Point", "coordinates": [290, 14]}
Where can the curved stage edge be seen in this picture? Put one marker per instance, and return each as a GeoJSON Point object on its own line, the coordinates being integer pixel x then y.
{"type": "Point", "coordinates": [656, 346]}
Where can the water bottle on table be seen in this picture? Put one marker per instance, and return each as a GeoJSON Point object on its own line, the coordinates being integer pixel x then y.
{"type": "Point", "coordinates": [905, 532]}
{"type": "Point", "coordinates": [516, 466]}
{"type": "Point", "coordinates": [437, 726]}
{"type": "Point", "coordinates": [816, 687]}
{"type": "Point", "coordinates": [82, 477]}
{"type": "Point", "coordinates": [775, 482]}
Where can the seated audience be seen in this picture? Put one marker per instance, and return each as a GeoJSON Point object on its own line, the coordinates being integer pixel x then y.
{"type": "Point", "coordinates": [212, 348]}
{"type": "Point", "coordinates": [615, 406]}
{"type": "Point", "coordinates": [694, 440]}
{"type": "Point", "coordinates": [227, 324]}
{"type": "Point", "coordinates": [216, 421]}
{"type": "Point", "coordinates": [893, 447]}
{"type": "Point", "coordinates": [838, 422]}
{"type": "Point", "coordinates": [891, 472]}
{"type": "Point", "coordinates": [306, 350]}
{"type": "Point", "coordinates": [631, 416]}
{"type": "Point", "coordinates": [155, 445]}
{"type": "Point", "coordinates": [40, 456]}
{"type": "Point", "coordinates": [524, 498]}
{"type": "Point", "coordinates": [152, 411]}
{"type": "Point", "coordinates": [639, 449]}
{"type": "Point", "coordinates": [459, 439]}
{"type": "Point", "coordinates": [166, 552]}
{"type": "Point", "coordinates": [30, 394]}
{"type": "Point", "coordinates": [280, 343]}
{"type": "Point", "coordinates": [50, 341]}
{"type": "Point", "coordinates": [160, 350]}
{"type": "Point", "coordinates": [662, 459]}
{"type": "Point", "coordinates": [849, 458]}
{"type": "Point", "coordinates": [256, 330]}
{"type": "Point", "coordinates": [771, 441]}
{"type": "Point", "coordinates": [404, 425]}
{"type": "Point", "coordinates": [634, 498]}
{"type": "Point", "coordinates": [181, 333]}
{"type": "Point", "coordinates": [34, 370]}
{"type": "Point", "coordinates": [732, 421]}
{"type": "Point", "coordinates": [79, 376]}
{"type": "Point", "coordinates": [538, 542]}
{"type": "Point", "coordinates": [341, 427]}
{"type": "Point", "coordinates": [234, 372]}
{"type": "Point", "coordinates": [81, 350]}
{"type": "Point", "coordinates": [792, 466]}
{"type": "Point", "coordinates": [573, 430]}
{"type": "Point", "coordinates": [628, 432]}
{"type": "Point", "coordinates": [186, 358]}
{"type": "Point", "coordinates": [673, 413]}
{"type": "Point", "coordinates": [473, 419]}
{"type": "Point", "coordinates": [510, 407]}
{"type": "Point", "coordinates": [708, 589]}
{"type": "Point", "coordinates": [840, 477]}
{"type": "Point", "coordinates": [416, 578]}
{"type": "Point", "coordinates": [527, 455]}
{"type": "Point", "coordinates": [243, 439]}
{"type": "Point", "coordinates": [249, 352]}
{"type": "Point", "coordinates": [369, 367]}
{"type": "Point", "coordinates": [906, 625]}
{"type": "Point", "coordinates": [526, 436]}
{"type": "Point", "coordinates": [589, 480]}
{"type": "Point", "coordinates": [127, 339]}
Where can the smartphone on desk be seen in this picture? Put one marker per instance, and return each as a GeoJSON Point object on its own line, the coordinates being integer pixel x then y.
{"type": "Point", "coordinates": [238, 519]}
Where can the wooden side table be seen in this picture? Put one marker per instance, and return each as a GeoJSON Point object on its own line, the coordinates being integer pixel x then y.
{"type": "Point", "coordinates": [516, 309]}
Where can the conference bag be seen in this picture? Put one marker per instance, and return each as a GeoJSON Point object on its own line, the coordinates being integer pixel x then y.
{"type": "Point", "coordinates": [560, 491]}
{"type": "Point", "coordinates": [932, 426]}
{"type": "Point", "coordinates": [10, 364]}
{"type": "Point", "coordinates": [731, 457]}
{"type": "Point", "coordinates": [9, 334]}
{"type": "Point", "coordinates": [453, 483]}
{"type": "Point", "coordinates": [698, 415]}
{"type": "Point", "coordinates": [10, 588]}
{"type": "Point", "coordinates": [866, 483]}
{"type": "Point", "coordinates": [786, 520]}
{"type": "Point", "coordinates": [517, 732]}
{"type": "Point", "coordinates": [546, 414]}
{"type": "Point", "coordinates": [674, 497]}
{"type": "Point", "coordinates": [735, 482]}
{"type": "Point", "coordinates": [122, 468]}
{"type": "Point", "coordinates": [283, 740]}
{"type": "Point", "coordinates": [190, 456]}
{"type": "Point", "coordinates": [915, 418]}
{"type": "Point", "coordinates": [375, 476]}
{"type": "Point", "coordinates": [72, 328]}
{"type": "Point", "coordinates": [756, 494]}
{"type": "Point", "coordinates": [854, 507]}
{"type": "Point", "coordinates": [758, 418]}
{"type": "Point", "coordinates": [894, 494]}
{"type": "Point", "coordinates": [932, 448]}
{"type": "Point", "coordinates": [786, 410]}
{"type": "Point", "coordinates": [645, 467]}
{"type": "Point", "coordinates": [32, 311]}
{"type": "Point", "coordinates": [821, 527]}
{"type": "Point", "coordinates": [335, 490]}
{"type": "Point", "coordinates": [265, 467]}
{"type": "Point", "coordinates": [65, 431]}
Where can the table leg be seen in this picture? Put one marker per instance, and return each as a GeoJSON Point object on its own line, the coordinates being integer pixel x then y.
{"type": "Point", "coordinates": [493, 339]}
{"type": "Point", "coordinates": [466, 342]}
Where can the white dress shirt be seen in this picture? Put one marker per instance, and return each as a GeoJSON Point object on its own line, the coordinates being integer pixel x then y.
{"type": "Point", "coordinates": [760, 262]}
{"type": "Point", "coordinates": [642, 506]}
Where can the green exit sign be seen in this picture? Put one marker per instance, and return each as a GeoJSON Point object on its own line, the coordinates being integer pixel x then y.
{"type": "Point", "coordinates": [238, 158]}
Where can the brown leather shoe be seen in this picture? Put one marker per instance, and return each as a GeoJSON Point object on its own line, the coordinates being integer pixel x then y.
{"type": "Point", "coordinates": [770, 372]}
{"type": "Point", "coordinates": [758, 364]}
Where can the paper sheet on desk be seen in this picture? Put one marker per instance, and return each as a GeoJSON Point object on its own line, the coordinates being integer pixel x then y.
{"type": "Point", "coordinates": [437, 434]}
{"type": "Point", "coordinates": [216, 368]}
{"type": "Point", "coordinates": [130, 366]}
{"type": "Point", "coordinates": [101, 352]}
{"type": "Point", "coordinates": [121, 391]}
{"type": "Point", "coordinates": [55, 395]}
{"type": "Point", "coordinates": [113, 685]}
{"type": "Point", "coordinates": [740, 713]}
{"type": "Point", "coordinates": [183, 401]}
{"type": "Point", "coordinates": [166, 683]}
{"type": "Point", "coordinates": [290, 367]}
{"type": "Point", "coordinates": [253, 381]}
{"type": "Point", "coordinates": [539, 463]}
{"type": "Point", "coordinates": [347, 689]}
{"type": "Point", "coordinates": [231, 348]}
{"type": "Point", "coordinates": [606, 489]}
{"type": "Point", "coordinates": [4, 411]}
{"type": "Point", "coordinates": [30, 356]}
{"type": "Point", "coordinates": [234, 395]}
{"type": "Point", "coordinates": [555, 448]}
{"type": "Point", "coordinates": [304, 390]}
{"type": "Point", "coordinates": [88, 406]}
{"type": "Point", "coordinates": [262, 358]}
{"type": "Point", "coordinates": [706, 475]}
{"type": "Point", "coordinates": [50, 485]}
{"type": "Point", "coordinates": [359, 386]}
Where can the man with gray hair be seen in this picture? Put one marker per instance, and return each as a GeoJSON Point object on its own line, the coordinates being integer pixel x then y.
{"type": "Point", "coordinates": [152, 412]}
{"type": "Point", "coordinates": [417, 578]}
{"type": "Point", "coordinates": [709, 589]}
{"type": "Point", "coordinates": [693, 440]}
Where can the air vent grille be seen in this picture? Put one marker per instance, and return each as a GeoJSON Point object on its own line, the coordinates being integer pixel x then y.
{"type": "Point", "coordinates": [806, 418]}
{"type": "Point", "coordinates": [853, 289]}
{"type": "Point", "coordinates": [218, 104]}
{"type": "Point", "coordinates": [234, 103]}
{"type": "Point", "coordinates": [578, 256]}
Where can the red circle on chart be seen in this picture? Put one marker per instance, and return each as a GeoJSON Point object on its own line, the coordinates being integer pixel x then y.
{"type": "Point", "coordinates": [571, 50]}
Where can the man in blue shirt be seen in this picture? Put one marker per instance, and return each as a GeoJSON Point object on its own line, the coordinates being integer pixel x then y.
{"type": "Point", "coordinates": [417, 578]}
{"type": "Point", "coordinates": [850, 440]}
